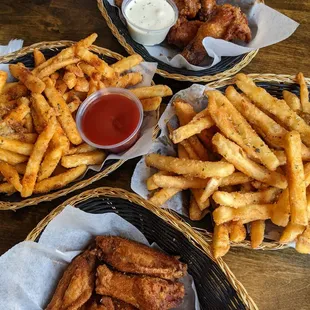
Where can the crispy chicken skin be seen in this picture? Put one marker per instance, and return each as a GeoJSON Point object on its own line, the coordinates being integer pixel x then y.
{"type": "Point", "coordinates": [208, 9]}
{"type": "Point", "coordinates": [116, 304]}
{"type": "Point", "coordinates": [188, 8]}
{"type": "Point", "coordinates": [183, 32]}
{"type": "Point", "coordinates": [77, 283]}
{"type": "Point", "coordinates": [229, 23]}
{"type": "Point", "coordinates": [143, 292]}
{"type": "Point", "coordinates": [133, 257]}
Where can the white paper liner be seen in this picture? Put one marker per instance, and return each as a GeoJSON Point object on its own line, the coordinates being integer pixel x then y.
{"type": "Point", "coordinates": [267, 25]}
{"type": "Point", "coordinates": [30, 271]}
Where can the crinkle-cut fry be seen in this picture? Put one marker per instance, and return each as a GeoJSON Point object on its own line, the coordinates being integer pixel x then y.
{"type": "Point", "coordinates": [163, 195]}
{"type": "Point", "coordinates": [63, 113]}
{"type": "Point", "coordinates": [32, 82]}
{"type": "Point", "coordinates": [211, 187]}
{"type": "Point", "coordinates": [82, 148]}
{"type": "Point", "coordinates": [181, 182]}
{"type": "Point", "coordinates": [241, 199]}
{"type": "Point", "coordinates": [192, 128]}
{"type": "Point", "coordinates": [220, 242]}
{"type": "Point", "coordinates": [11, 157]}
{"type": "Point", "coordinates": [247, 214]}
{"type": "Point", "coordinates": [81, 85]}
{"type": "Point", "coordinates": [95, 61]}
{"type": "Point", "coordinates": [74, 104]}
{"type": "Point", "coordinates": [89, 158]}
{"type": "Point", "coordinates": [197, 194]}
{"type": "Point", "coordinates": [223, 112]}
{"type": "Point", "coordinates": [296, 179]}
{"type": "Point", "coordinates": [235, 155]}
{"type": "Point", "coordinates": [257, 233]}
{"type": "Point", "coordinates": [36, 157]}
{"type": "Point", "coordinates": [70, 79]}
{"type": "Point", "coordinates": [303, 242]}
{"type": "Point", "coordinates": [304, 93]}
{"type": "Point", "coordinates": [193, 168]}
{"type": "Point", "coordinates": [7, 188]}
{"type": "Point", "coordinates": [292, 100]}
{"type": "Point", "coordinates": [23, 137]}
{"type": "Point", "coordinates": [11, 175]}
{"type": "Point", "coordinates": [21, 168]}
{"type": "Point", "coordinates": [278, 108]}
{"type": "Point", "coordinates": [90, 71]}
{"type": "Point", "coordinates": [3, 78]}
{"type": "Point", "coordinates": [38, 57]}
{"type": "Point", "coordinates": [16, 146]}
{"type": "Point", "coordinates": [236, 178]}
{"type": "Point", "coordinates": [75, 69]}
{"type": "Point", "coordinates": [152, 91]}
{"type": "Point", "coordinates": [237, 231]}
{"type": "Point", "coordinates": [291, 232]}
{"type": "Point", "coordinates": [151, 104]}
{"type": "Point", "coordinates": [150, 184]}
{"type": "Point", "coordinates": [127, 63]}
{"type": "Point", "coordinates": [195, 213]}
{"type": "Point", "coordinates": [60, 180]}
{"type": "Point", "coordinates": [129, 79]}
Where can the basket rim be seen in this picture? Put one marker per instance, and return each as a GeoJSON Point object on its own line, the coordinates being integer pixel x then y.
{"type": "Point", "coordinates": [7, 205]}
{"type": "Point", "coordinates": [179, 77]}
{"type": "Point", "coordinates": [171, 218]}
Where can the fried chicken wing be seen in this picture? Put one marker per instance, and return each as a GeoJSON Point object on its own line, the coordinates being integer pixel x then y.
{"type": "Point", "coordinates": [143, 292]}
{"type": "Point", "coordinates": [208, 9]}
{"type": "Point", "coordinates": [77, 283]}
{"type": "Point", "coordinates": [188, 8]}
{"type": "Point", "coordinates": [115, 304]}
{"type": "Point", "coordinates": [183, 32]}
{"type": "Point", "coordinates": [130, 256]}
{"type": "Point", "coordinates": [229, 23]}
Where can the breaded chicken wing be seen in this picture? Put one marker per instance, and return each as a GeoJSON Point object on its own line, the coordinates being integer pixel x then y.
{"type": "Point", "coordinates": [143, 292]}
{"type": "Point", "coordinates": [229, 23]}
{"type": "Point", "coordinates": [77, 283]}
{"type": "Point", "coordinates": [208, 9]}
{"type": "Point", "coordinates": [130, 256]}
{"type": "Point", "coordinates": [188, 8]}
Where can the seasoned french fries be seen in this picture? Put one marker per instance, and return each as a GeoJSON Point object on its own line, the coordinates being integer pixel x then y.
{"type": "Point", "coordinates": [151, 104]}
{"type": "Point", "coordinates": [257, 233]}
{"type": "Point", "coordinates": [70, 79]}
{"type": "Point", "coordinates": [127, 63]}
{"type": "Point", "coordinates": [164, 181]}
{"type": "Point", "coordinates": [11, 175]}
{"type": "Point", "coordinates": [89, 158]}
{"type": "Point", "coordinates": [304, 93]}
{"type": "Point", "coordinates": [292, 100]}
{"type": "Point", "coordinates": [195, 213]}
{"type": "Point", "coordinates": [152, 91]}
{"type": "Point", "coordinates": [16, 146]}
{"type": "Point", "coordinates": [291, 232]}
{"type": "Point", "coordinates": [39, 58]}
{"type": "Point", "coordinates": [164, 194]}
{"type": "Point", "coordinates": [237, 231]}
{"type": "Point", "coordinates": [3, 78]}
{"type": "Point", "coordinates": [220, 244]}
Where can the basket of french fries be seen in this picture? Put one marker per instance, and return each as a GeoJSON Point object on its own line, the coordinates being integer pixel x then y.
{"type": "Point", "coordinates": [42, 154]}
{"type": "Point", "coordinates": [236, 151]}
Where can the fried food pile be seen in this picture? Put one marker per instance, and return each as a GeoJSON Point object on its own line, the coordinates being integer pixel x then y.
{"type": "Point", "coordinates": [246, 159]}
{"type": "Point", "coordinates": [120, 274]}
{"type": "Point", "coordinates": [40, 146]}
{"type": "Point", "coordinates": [204, 18]}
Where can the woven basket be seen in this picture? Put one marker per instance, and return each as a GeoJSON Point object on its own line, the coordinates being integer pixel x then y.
{"type": "Point", "coordinates": [49, 49]}
{"type": "Point", "coordinates": [227, 67]}
{"type": "Point", "coordinates": [216, 285]}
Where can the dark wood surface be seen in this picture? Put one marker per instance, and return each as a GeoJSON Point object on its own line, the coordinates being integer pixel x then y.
{"type": "Point", "coordinates": [275, 280]}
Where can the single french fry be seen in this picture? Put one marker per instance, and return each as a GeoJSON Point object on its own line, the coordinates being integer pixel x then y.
{"type": "Point", "coordinates": [7, 188]}
{"type": "Point", "coordinates": [129, 79]}
{"type": "Point", "coordinates": [220, 242]}
{"type": "Point", "coordinates": [54, 66]}
{"type": "Point", "coordinates": [246, 187]}
{"type": "Point", "coordinates": [61, 86]}
{"type": "Point", "coordinates": [165, 181]}
{"type": "Point", "coordinates": [38, 56]}
{"type": "Point", "coordinates": [82, 148]}
{"type": "Point", "coordinates": [259, 185]}
{"type": "Point", "coordinates": [150, 184]}
{"type": "Point", "coordinates": [70, 79]}
{"type": "Point", "coordinates": [12, 158]}
{"type": "Point", "coordinates": [257, 233]}
{"type": "Point", "coordinates": [13, 91]}
{"type": "Point", "coordinates": [239, 199]}
{"type": "Point", "coordinates": [235, 179]}
{"type": "Point", "coordinates": [75, 69]}
{"type": "Point", "coordinates": [211, 187]}
{"type": "Point", "coordinates": [151, 104]}
{"type": "Point", "coordinates": [197, 193]}
{"type": "Point", "coordinates": [3, 78]}
{"type": "Point", "coordinates": [291, 232]}
{"type": "Point", "coordinates": [23, 137]}
{"type": "Point", "coordinates": [29, 123]}
{"type": "Point", "coordinates": [304, 93]}
{"type": "Point", "coordinates": [193, 168]}
{"type": "Point", "coordinates": [81, 85]}
{"type": "Point", "coordinates": [292, 100]}
{"type": "Point", "coordinates": [296, 179]}
{"type": "Point", "coordinates": [35, 158]}
{"type": "Point", "coordinates": [223, 113]}
{"type": "Point", "coordinates": [63, 113]}
{"type": "Point", "coordinates": [89, 158]}
{"type": "Point", "coordinates": [303, 242]}
{"type": "Point", "coordinates": [278, 108]}
{"type": "Point", "coordinates": [189, 149]}
{"type": "Point", "coordinates": [234, 154]}
{"type": "Point", "coordinates": [33, 83]}
{"type": "Point", "coordinates": [198, 148]}
{"type": "Point", "coordinates": [55, 76]}
{"type": "Point", "coordinates": [74, 104]}
{"type": "Point", "coordinates": [182, 152]}
{"type": "Point", "coordinates": [245, 214]}
{"type": "Point", "coordinates": [127, 63]}
{"type": "Point", "coordinates": [60, 180]}
{"type": "Point", "coordinates": [95, 61]}
{"type": "Point", "coordinates": [21, 168]}
{"type": "Point", "coordinates": [184, 111]}
{"type": "Point", "coordinates": [11, 175]}
{"type": "Point", "coordinates": [195, 213]}
{"type": "Point", "coordinates": [152, 91]}
{"type": "Point", "coordinates": [90, 71]}
{"type": "Point", "coordinates": [16, 146]}
{"type": "Point", "coordinates": [237, 231]}
{"type": "Point", "coordinates": [163, 195]}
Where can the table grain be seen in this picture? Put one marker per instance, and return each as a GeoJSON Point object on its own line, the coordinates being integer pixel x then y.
{"type": "Point", "coordinates": [274, 279]}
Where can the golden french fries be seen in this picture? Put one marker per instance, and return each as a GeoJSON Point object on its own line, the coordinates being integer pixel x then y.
{"type": "Point", "coordinates": [237, 231]}
{"type": "Point", "coordinates": [304, 93]}
{"type": "Point", "coordinates": [195, 213]}
{"type": "Point", "coordinates": [127, 63]}
{"type": "Point", "coordinates": [257, 233]}
{"type": "Point", "coordinates": [151, 104]}
{"type": "Point", "coordinates": [152, 91]}
{"type": "Point", "coordinates": [292, 100]}
{"type": "Point", "coordinates": [291, 232]}
{"type": "Point", "coordinates": [164, 194]}
{"type": "Point", "coordinates": [89, 158]}
{"type": "Point", "coordinates": [11, 175]}
{"type": "Point", "coordinates": [303, 242]}
{"type": "Point", "coordinates": [178, 182]}
{"type": "Point", "coordinates": [220, 244]}
{"type": "Point", "coordinates": [3, 78]}
{"type": "Point", "coordinates": [39, 58]}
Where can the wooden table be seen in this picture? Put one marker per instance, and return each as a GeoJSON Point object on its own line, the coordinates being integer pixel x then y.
{"type": "Point", "coordinates": [275, 280]}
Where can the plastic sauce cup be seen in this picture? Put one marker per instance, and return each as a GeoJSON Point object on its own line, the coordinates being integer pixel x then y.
{"type": "Point", "coordinates": [147, 36]}
{"type": "Point", "coordinates": [110, 119]}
